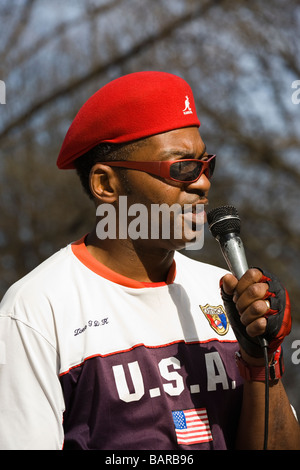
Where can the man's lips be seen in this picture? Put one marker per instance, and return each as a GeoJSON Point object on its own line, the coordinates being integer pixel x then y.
{"type": "Point", "coordinates": [195, 207]}
{"type": "Point", "coordinates": [200, 202]}
{"type": "Point", "coordinates": [195, 213]}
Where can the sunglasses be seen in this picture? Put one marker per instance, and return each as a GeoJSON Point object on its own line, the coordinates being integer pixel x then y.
{"type": "Point", "coordinates": [186, 171]}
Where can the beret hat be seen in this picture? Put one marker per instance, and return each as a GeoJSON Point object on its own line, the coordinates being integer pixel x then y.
{"type": "Point", "coordinates": [129, 108]}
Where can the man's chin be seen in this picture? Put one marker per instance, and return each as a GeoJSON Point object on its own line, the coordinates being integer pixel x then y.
{"type": "Point", "coordinates": [194, 242]}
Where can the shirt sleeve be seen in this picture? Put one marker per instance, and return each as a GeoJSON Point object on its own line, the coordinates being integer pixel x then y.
{"type": "Point", "coordinates": [31, 399]}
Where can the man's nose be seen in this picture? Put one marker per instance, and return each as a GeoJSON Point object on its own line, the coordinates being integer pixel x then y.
{"type": "Point", "coordinates": [202, 183]}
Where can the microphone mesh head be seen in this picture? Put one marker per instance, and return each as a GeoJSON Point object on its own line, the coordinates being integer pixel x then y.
{"type": "Point", "coordinates": [223, 220]}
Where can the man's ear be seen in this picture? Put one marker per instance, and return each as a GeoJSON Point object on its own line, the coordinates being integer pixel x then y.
{"type": "Point", "coordinates": [104, 183]}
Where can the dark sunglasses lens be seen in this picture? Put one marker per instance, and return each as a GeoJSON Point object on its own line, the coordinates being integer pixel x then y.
{"type": "Point", "coordinates": [185, 170]}
{"type": "Point", "coordinates": [211, 168]}
{"type": "Point", "coordinates": [190, 170]}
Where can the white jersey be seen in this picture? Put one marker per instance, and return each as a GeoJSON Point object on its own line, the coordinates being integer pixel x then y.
{"type": "Point", "coordinates": [90, 359]}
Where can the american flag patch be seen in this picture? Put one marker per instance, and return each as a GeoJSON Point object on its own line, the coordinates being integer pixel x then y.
{"type": "Point", "coordinates": [192, 426]}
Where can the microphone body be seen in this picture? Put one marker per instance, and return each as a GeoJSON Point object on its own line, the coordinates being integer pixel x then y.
{"type": "Point", "coordinates": [234, 254]}
{"type": "Point", "coordinates": [224, 224]}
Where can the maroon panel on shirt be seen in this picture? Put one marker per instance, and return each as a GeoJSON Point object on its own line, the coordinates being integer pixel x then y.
{"type": "Point", "coordinates": [124, 401]}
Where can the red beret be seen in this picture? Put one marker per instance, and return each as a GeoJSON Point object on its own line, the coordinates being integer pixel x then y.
{"type": "Point", "coordinates": [129, 108]}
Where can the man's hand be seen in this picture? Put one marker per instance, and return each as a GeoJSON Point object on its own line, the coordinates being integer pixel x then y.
{"type": "Point", "coordinates": [257, 305]}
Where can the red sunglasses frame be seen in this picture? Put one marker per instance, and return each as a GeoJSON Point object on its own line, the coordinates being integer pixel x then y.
{"type": "Point", "coordinates": [162, 168]}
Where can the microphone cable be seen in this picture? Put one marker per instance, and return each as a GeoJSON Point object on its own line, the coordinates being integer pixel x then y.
{"type": "Point", "coordinates": [264, 345]}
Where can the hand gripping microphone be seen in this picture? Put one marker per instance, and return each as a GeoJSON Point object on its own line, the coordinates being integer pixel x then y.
{"type": "Point", "coordinates": [225, 224]}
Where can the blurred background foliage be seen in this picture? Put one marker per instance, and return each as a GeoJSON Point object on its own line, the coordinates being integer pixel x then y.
{"type": "Point", "coordinates": [240, 58]}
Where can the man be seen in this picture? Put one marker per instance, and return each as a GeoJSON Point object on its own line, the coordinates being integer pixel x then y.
{"type": "Point", "coordinates": [121, 342]}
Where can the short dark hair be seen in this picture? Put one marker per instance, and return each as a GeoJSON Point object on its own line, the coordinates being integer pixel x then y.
{"type": "Point", "coordinates": [103, 152]}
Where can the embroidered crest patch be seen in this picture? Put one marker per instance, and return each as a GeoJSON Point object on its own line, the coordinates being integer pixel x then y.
{"type": "Point", "coordinates": [217, 318]}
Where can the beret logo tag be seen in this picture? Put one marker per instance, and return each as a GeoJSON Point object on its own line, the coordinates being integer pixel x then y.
{"type": "Point", "coordinates": [187, 109]}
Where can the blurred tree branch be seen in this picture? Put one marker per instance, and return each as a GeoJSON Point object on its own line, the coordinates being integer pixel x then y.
{"type": "Point", "coordinates": [101, 68]}
{"type": "Point", "coordinates": [18, 28]}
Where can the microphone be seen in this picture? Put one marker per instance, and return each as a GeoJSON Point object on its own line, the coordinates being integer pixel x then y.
{"type": "Point", "coordinates": [225, 224]}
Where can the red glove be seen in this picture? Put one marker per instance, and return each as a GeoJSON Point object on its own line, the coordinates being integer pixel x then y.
{"type": "Point", "coordinates": [278, 317]}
